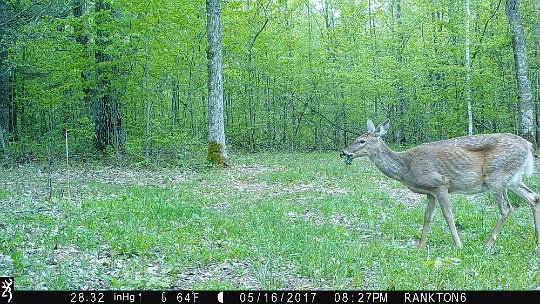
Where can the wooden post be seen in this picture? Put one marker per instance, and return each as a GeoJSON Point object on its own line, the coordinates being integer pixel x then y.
{"type": "Point", "coordinates": [67, 166]}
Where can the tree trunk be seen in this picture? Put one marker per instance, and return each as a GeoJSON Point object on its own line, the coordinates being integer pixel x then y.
{"type": "Point", "coordinates": [147, 141]}
{"type": "Point", "coordinates": [189, 105]}
{"type": "Point", "coordinates": [175, 102]}
{"type": "Point", "coordinates": [251, 124]}
{"type": "Point", "coordinates": [468, 63]}
{"type": "Point", "coordinates": [373, 47]}
{"type": "Point", "coordinates": [251, 69]}
{"type": "Point", "coordinates": [401, 99]}
{"type": "Point", "coordinates": [217, 152]}
{"type": "Point", "coordinates": [4, 92]}
{"type": "Point", "coordinates": [525, 118]}
{"type": "Point", "coordinates": [269, 133]}
{"type": "Point", "coordinates": [4, 80]}
{"type": "Point", "coordinates": [117, 129]}
{"type": "Point", "coordinates": [536, 35]}
{"type": "Point", "coordinates": [103, 104]}
{"type": "Point", "coordinates": [4, 144]}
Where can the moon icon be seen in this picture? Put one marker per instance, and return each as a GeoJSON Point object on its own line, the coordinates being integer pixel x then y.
{"type": "Point", "coordinates": [220, 297]}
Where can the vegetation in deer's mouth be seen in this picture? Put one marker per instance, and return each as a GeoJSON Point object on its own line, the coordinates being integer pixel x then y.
{"type": "Point", "coordinates": [348, 159]}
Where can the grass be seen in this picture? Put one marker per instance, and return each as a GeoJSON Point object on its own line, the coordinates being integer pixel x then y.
{"type": "Point", "coordinates": [270, 221]}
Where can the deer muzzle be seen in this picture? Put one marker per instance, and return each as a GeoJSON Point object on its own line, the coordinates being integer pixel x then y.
{"type": "Point", "coordinates": [348, 156]}
{"type": "Point", "coordinates": [345, 154]}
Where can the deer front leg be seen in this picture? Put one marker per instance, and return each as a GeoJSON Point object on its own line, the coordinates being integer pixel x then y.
{"type": "Point", "coordinates": [444, 201]}
{"type": "Point", "coordinates": [428, 215]}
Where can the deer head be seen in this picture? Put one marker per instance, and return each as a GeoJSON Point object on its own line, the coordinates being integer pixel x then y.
{"type": "Point", "coordinates": [368, 143]}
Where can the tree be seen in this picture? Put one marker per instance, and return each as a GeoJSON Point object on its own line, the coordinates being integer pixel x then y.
{"type": "Point", "coordinates": [525, 118]}
{"type": "Point", "coordinates": [147, 139]}
{"type": "Point", "coordinates": [250, 44]}
{"type": "Point", "coordinates": [217, 152]}
{"type": "Point", "coordinates": [4, 79]}
{"type": "Point", "coordinates": [468, 63]}
{"type": "Point", "coordinates": [296, 75]}
{"type": "Point", "coordinates": [14, 17]}
{"type": "Point", "coordinates": [536, 35]}
{"type": "Point", "coordinates": [106, 107]}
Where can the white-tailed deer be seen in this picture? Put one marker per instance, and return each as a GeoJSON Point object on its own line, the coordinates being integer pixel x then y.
{"type": "Point", "coordinates": [469, 164]}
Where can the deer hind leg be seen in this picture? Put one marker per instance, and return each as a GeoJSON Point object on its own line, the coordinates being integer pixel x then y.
{"type": "Point", "coordinates": [428, 215]}
{"type": "Point", "coordinates": [534, 201]}
{"type": "Point", "coordinates": [536, 215]}
{"type": "Point", "coordinates": [444, 201]}
{"type": "Point", "coordinates": [501, 197]}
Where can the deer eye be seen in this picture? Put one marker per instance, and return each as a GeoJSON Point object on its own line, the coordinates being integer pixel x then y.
{"type": "Point", "coordinates": [362, 141]}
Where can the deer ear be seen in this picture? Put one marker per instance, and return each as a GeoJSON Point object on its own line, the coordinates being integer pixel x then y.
{"type": "Point", "coordinates": [370, 126]}
{"type": "Point", "coordinates": [382, 128]}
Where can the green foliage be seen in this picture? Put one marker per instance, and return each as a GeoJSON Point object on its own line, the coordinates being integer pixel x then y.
{"type": "Point", "coordinates": [271, 221]}
{"type": "Point", "coordinates": [299, 75]}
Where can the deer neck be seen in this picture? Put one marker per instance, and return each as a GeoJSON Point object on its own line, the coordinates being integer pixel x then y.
{"type": "Point", "coordinates": [390, 163]}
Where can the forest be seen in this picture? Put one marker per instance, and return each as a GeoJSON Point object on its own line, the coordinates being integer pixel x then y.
{"type": "Point", "coordinates": [129, 78]}
{"type": "Point", "coordinates": [195, 145]}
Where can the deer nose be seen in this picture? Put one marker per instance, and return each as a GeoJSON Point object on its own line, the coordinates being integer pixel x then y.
{"type": "Point", "coordinates": [344, 154]}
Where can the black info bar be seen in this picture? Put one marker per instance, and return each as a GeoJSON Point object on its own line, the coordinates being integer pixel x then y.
{"type": "Point", "coordinates": [282, 296]}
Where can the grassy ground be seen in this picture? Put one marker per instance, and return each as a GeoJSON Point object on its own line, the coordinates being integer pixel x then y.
{"type": "Point", "coordinates": [272, 221]}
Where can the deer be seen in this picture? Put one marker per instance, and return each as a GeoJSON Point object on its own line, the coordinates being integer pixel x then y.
{"type": "Point", "coordinates": [470, 164]}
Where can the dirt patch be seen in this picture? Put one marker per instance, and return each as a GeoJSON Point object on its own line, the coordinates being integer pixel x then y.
{"type": "Point", "coordinates": [242, 178]}
{"type": "Point", "coordinates": [251, 191]}
{"type": "Point", "coordinates": [242, 275]}
{"type": "Point", "coordinates": [235, 272]}
{"type": "Point", "coordinates": [307, 215]}
{"type": "Point", "coordinates": [244, 187]}
{"type": "Point", "coordinates": [315, 187]}
{"type": "Point", "coordinates": [337, 219]}
{"type": "Point", "coordinates": [222, 206]}
{"type": "Point", "coordinates": [250, 171]}
{"type": "Point", "coordinates": [31, 183]}
{"type": "Point", "coordinates": [277, 189]}
{"type": "Point", "coordinates": [132, 176]}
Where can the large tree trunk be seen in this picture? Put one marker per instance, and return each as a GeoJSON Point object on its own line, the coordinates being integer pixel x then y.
{"type": "Point", "coordinates": [4, 80]}
{"type": "Point", "coordinates": [217, 152]}
{"type": "Point", "coordinates": [525, 117]}
{"type": "Point", "coordinates": [106, 113]}
{"type": "Point", "coordinates": [536, 35]}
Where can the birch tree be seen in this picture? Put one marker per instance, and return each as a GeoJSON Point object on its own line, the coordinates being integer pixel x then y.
{"type": "Point", "coordinates": [468, 63]}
